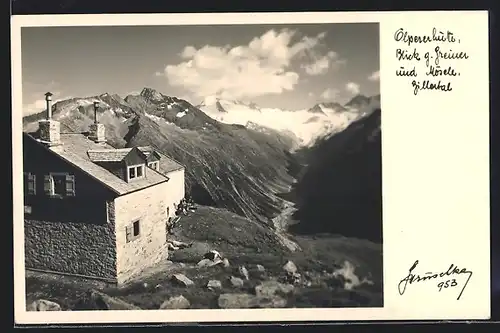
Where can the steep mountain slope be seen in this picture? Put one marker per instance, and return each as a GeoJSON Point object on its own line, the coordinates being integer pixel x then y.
{"type": "Point", "coordinates": [76, 114]}
{"type": "Point", "coordinates": [227, 166]}
{"type": "Point", "coordinates": [340, 190]}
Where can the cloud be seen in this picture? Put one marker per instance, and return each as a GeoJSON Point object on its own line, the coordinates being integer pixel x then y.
{"type": "Point", "coordinates": [322, 64]}
{"type": "Point", "coordinates": [353, 88]}
{"type": "Point", "coordinates": [34, 107]}
{"type": "Point", "coordinates": [375, 76]}
{"type": "Point", "coordinates": [159, 74]}
{"type": "Point", "coordinates": [38, 105]}
{"type": "Point", "coordinates": [34, 95]}
{"type": "Point", "coordinates": [310, 94]}
{"type": "Point", "coordinates": [259, 68]}
{"type": "Point", "coordinates": [330, 93]}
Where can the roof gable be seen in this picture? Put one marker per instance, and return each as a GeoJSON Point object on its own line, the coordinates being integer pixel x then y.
{"type": "Point", "coordinates": [134, 157]}
{"type": "Point", "coordinates": [150, 155]}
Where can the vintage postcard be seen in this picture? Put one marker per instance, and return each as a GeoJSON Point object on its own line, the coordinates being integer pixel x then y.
{"type": "Point", "coordinates": [251, 167]}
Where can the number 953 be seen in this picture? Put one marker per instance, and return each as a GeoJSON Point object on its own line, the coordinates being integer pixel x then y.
{"type": "Point", "coordinates": [447, 284]}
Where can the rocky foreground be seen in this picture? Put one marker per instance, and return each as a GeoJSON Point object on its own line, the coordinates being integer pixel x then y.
{"type": "Point", "coordinates": [220, 260]}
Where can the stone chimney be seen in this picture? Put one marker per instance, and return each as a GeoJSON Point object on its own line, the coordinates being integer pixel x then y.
{"type": "Point", "coordinates": [97, 131]}
{"type": "Point", "coordinates": [50, 129]}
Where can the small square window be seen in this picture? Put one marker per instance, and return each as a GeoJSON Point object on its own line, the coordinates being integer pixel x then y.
{"type": "Point", "coordinates": [136, 171]}
{"type": "Point", "coordinates": [154, 165]}
{"type": "Point", "coordinates": [133, 231]}
{"type": "Point", "coordinates": [27, 209]}
{"type": "Point", "coordinates": [136, 228]}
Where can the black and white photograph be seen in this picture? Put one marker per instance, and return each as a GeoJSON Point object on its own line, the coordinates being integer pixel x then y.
{"type": "Point", "coordinates": [233, 166]}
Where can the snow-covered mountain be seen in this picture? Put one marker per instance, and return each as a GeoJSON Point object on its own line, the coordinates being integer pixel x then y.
{"type": "Point", "coordinates": [307, 125]}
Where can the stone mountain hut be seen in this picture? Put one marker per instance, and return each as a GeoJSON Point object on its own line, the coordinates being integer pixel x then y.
{"type": "Point", "coordinates": [91, 210]}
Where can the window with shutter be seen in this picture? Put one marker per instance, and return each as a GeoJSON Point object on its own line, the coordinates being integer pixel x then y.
{"type": "Point", "coordinates": [70, 185]}
{"type": "Point", "coordinates": [47, 185]}
{"type": "Point", "coordinates": [128, 233]}
{"type": "Point", "coordinates": [31, 184]}
{"type": "Point", "coordinates": [132, 231]}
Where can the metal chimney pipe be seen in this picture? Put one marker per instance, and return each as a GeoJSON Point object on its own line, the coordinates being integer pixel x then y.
{"type": "Point", "coordinates": [96, 106]}
{"type": "Point", "coordinates": [48, 100]}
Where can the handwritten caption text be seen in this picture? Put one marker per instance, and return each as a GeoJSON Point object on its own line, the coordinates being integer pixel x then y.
{"type": "Point", "coordinates": [439, 51]}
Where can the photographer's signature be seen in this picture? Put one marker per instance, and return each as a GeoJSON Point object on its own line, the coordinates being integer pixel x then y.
{"type": "Point", "coordinates": [444, 279]}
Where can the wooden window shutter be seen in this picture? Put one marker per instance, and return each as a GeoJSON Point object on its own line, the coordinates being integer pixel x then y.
{"type": "Point", "coordinates": [128, 231]}
{"type": "Point", "coordinates": [70, 185]}
{"type": "Point", "coordinates": [31, 184]}
{"type": "Point", "coordinates": [47, 184]}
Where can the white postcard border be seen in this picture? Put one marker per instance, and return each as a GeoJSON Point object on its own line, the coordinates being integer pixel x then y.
{"type": "Point", "coordinates": [436, 241]}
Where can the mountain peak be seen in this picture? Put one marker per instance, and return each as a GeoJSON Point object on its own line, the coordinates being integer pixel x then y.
{"type": "Point", "coordinates": [357, 100]}
{"type": "Point", "coordinates": [316, 108]}
{"type": "Point", "coordinates": [151, 94]}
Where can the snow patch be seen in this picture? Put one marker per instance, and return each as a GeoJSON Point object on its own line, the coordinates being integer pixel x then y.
{"type": "Point", "coordinates": [154, 118]}
{"type": "Point", "coordinates": [180, 114]}
{"type": "Point", "coordinates": [300, 122]}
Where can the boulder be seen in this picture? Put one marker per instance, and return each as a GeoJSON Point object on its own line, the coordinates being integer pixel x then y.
{"type": "Point", "coordinates": [290, 267]}
{"type": "Point", "coordinates": [348, 273]}
{"type": "Point", "coordinates": [182, 280]}
{"type": "Point", "coordinates": [205, 263]}
{"type": "Point", "coordinates": [179, 244]}
{"type": "Point", "coordinates": [214, 284]}
{"type": "Point", "coordinates": [213, 255]}
{"type": "Point", "coordinates": [191, 254]}
{"type": "Point", "coordinates": [236, 301]}
{"type": "Point", "coordinates": [243, 272]}
{"type": "Point", "coordinates": [43, 305]}
{"type": "Point", "coordinates": [177, 302]}
{"type": "Point", "coordinates": [225, 262]}
{"type": "Point", "coordinates": [106, 302]}
{"type": "Point", "coordinates": [293, 278]}
{"type": "Point", "coordinates": [97, 300]}
{"type": "Point", "coordinates": [172, 247]}
{"type": "Point", "coordinates": [236, 282]}
{"type": "Point", "coordinates": [270, 302]}
{"type": "Point", "coordinates": [270, 288]}
{"type": "Point", "coordinates": [245, 301]}
{"type": "Point", "coordinates": [260, 268]}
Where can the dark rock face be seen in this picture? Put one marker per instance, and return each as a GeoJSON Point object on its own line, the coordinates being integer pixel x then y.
{"type": "Point", "coordinates": [72, 248]}
{"type": "Point", "coordinates": [341, 189]}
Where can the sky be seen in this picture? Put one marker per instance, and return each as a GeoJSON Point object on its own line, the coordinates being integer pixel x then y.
{"type": "Point", "coordinates": [278, 66]}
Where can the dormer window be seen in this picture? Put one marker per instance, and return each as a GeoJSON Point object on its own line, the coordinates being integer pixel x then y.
{"type": "Point", "coordinates": [154, 165]}
{"type": "Point", "coordinates": [135, 171]}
